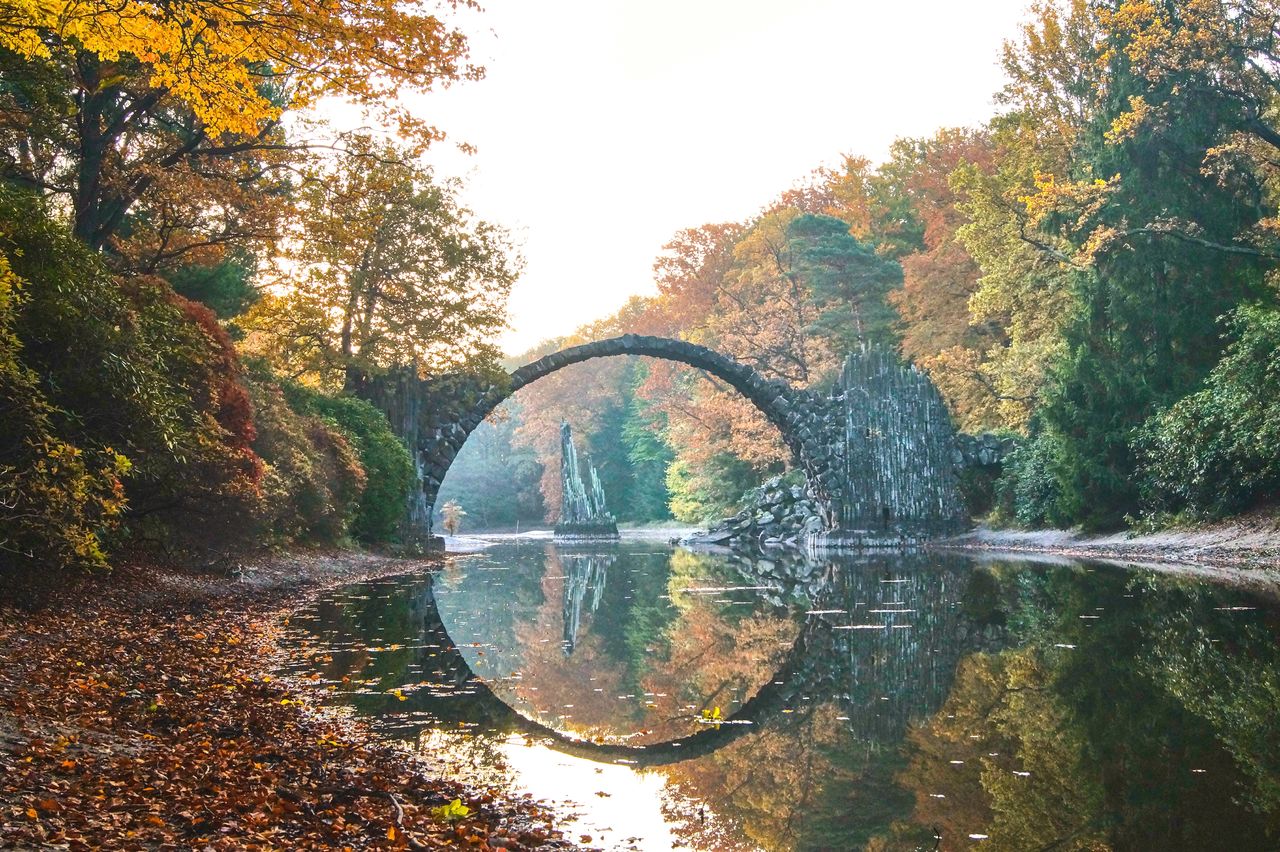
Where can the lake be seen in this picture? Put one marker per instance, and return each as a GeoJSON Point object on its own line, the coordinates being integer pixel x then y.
{"type": "Point", "coordinates": [661, 698]}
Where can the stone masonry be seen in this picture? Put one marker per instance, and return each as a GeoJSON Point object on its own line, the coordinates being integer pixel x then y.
{"type": "Point", "coordinates": [880, 441]}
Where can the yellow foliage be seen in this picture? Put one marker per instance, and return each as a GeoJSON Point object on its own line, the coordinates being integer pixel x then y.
{"type": "Point", "coordinates": [1127, 124]}
{"type": "Point", "coordinates": [216, 57]}
{"type": "Point", "coordinates": [451, 812]}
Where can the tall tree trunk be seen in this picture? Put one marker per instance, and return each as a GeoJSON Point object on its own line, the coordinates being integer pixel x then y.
{"type": "Point", "coordinates": [93, 151]}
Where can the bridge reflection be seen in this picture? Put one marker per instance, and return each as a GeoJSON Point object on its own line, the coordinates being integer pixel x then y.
{"type": "Point", "coordinates": [917, 695]}
{"type": "Point", "coordinates": [879, 637]}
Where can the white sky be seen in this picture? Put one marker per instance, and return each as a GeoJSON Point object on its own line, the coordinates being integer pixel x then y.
{"type": "Point", "coordinates": [604, 127]}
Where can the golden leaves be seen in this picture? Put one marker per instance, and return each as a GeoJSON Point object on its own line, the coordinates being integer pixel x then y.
{"type": "Point", "coordinates": [144, 745]}
{"type": "Point", "coordinates": [450, 812]}
{"type": "Point", "coordinates": [1128, 123]}
{"type": "Point", "coordinates": [1076, 204]}
{"type": "Point", "coordinates": [216, 57]}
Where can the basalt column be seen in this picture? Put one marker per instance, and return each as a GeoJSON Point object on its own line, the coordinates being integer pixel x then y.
{"type": "Point", "coordinates": [583, 513]}
{"type": "Point", "coordinates": [897, 449]}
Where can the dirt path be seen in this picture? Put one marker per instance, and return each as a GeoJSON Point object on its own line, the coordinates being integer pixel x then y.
{"type": "Point", "coordinates": [137, 711]}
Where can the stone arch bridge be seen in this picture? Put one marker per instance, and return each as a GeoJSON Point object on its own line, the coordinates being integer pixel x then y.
{"type": "Point", "coordinates": [878, 451]}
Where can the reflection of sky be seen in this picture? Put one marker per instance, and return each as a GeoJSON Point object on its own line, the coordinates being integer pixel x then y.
{"type": "Point", "coordinates": [618, 806]}
{"type": "Point", "coordinates": [630, 814]}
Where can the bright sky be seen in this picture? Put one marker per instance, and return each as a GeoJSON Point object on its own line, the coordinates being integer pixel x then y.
{"type": "Point", "coordinates": [605, 126]}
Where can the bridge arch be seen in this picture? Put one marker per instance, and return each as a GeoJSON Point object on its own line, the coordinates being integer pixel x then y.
{"type": "Point", "coordinates": [790, 410]}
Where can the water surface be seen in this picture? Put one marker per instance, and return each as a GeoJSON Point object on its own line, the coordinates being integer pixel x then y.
{"type": "Point", "coordinates": [661, 698]}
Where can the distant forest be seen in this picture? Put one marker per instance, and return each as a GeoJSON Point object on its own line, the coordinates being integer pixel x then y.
{"type": "Point", "coordinates": [1093, 271]}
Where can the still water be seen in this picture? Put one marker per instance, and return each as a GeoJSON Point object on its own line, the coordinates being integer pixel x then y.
{"type": "Point", "coordinates": [660, 698]}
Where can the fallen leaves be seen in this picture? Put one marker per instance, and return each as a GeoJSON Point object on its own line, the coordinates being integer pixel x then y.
{"type": "Point", "coordinates": [132, 718]}
{"type": "Point", "coordinates": [452, 812]}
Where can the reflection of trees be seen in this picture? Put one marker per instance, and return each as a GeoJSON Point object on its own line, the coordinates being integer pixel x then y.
{"type": "Point", "coordinates": [486, 597]}
{"type": "Point", "coordinates": [555, 688]}
{"type": "Point", "coordinates": [642, 637]}
{"type": "Point", "coordinates": [1228, 674]}
{"type": "Point", "coordinates": [713, 652]}
{"type": "Point", "coordinates": [885, 632]}
{"type": "Point", "coordinates": [798, 782]}
{"type": "Point", "coordinates": [1001, 719]}
{"type": "Point", "coordinates": [818, 769]}
{"type": "Point", "coordinates": [1139, 713]}
{"type": "Point", "coordinates": [1078, 702]}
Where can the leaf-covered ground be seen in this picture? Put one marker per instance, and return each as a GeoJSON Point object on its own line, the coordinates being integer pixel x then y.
{"type": "Point", "coordinates": [137, 711]}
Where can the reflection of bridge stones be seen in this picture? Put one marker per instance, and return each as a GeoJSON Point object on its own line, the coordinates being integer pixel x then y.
{"type": "Point", "coordinates": [878, 453]}
{"type": "Point", "coordinates": [889, 656]}
{"type": "Point", "coordinates": [886, 633]}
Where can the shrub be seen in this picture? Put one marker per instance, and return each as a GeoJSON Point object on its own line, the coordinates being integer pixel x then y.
{"type": "Point", "coordinates": [1217, 451]}
{"type": "Point", "coordinates": [313, 477]}
{"type": "Point", "coordinates": [387, 464]}
{"type": "Point", "coordinates": [1028, 492]}
{"type": "Point", "coordinates": [122, 367]}
{"type": "Point", "coordinates": [56, 501]}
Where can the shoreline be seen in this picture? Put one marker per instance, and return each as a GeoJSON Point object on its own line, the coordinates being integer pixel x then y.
{"type": "Point", "coordinates": [1244, 551]}
{"type": "Point", "coordinates": [139, 710]}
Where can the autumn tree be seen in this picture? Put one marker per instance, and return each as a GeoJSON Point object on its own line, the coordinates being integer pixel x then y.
{"type": "Point", "coordinates": [939, 330]}
{"type": "Point", "coordinates": [158, 125]}
{"type": "Point", "coordinates": [689, 273]}
{"type": "Point", "coordinates": [733, 288]}
{"type": "Point", "coordinates": [383, 266]}
{"type": "Point", "coordinates": [874, 201]}
{"type": "Point", "coordinates": [764, 311]}
{"type": "Point", "coordinates": [452, 514]}
{"type": "Point", "coordinates": [1149, 213]}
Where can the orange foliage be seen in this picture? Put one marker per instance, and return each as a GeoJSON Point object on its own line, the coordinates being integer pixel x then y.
{"type": "Point", "coordinates": [234, 409]}
{"type": "Point", "coordinates": [938, 331]}
{"type": "Point", "coordinates": [578, 394]}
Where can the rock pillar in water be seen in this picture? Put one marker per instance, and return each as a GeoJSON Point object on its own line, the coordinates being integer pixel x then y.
{"type": "Point", "coordinates": [583, 513]}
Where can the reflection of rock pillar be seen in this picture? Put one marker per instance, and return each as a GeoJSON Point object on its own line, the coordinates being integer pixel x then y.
{"type": "Point", "coordinates": [581, 571]}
